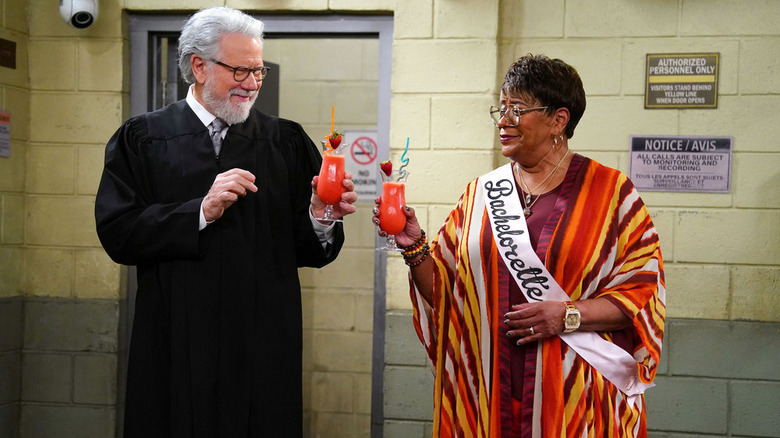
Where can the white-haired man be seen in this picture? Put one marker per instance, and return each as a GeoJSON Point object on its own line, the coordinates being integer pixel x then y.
{"type": "Point", "coordinates": [215, 202]}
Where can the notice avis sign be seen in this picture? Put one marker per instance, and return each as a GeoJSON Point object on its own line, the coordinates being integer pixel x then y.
{"type": "Point", "coordinates": [681, 164]}
{"type": "Point", "coordinates": [682, 80]}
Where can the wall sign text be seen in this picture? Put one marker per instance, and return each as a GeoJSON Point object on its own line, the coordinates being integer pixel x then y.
{"type": "Point", "coordinates": [682, 80]}
{"type": "Point", "coordinates": [681, 164]}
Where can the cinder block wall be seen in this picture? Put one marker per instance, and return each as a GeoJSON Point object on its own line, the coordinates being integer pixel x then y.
{"type": "Point", "coordinates": [719, 374]}
{"type": "Point", "coordinates": [59, 311]}
{"type": "Point", "coordinates": [14, 98]}
{"type": "Point", "coordinates": [338, 299]}
{"type": "Point", "coordinates": [445, 73]}
{"type": "Point", "coordinates": [60, 295]}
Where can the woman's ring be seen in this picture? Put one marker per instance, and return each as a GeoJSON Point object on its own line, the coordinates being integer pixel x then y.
{"type": "Point", "coordinates": [531, 330]}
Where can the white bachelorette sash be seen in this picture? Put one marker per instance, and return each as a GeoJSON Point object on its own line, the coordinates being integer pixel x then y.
{"type": "Point", "coordinates": [510, 232]}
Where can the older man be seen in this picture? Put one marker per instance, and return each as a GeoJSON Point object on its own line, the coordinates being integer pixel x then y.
{"type": "Point", "coordinates": [215, 204]}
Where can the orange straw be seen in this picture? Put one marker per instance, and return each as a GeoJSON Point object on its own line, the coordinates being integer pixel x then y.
{"type": "Point", "coordinates": [332, 117]}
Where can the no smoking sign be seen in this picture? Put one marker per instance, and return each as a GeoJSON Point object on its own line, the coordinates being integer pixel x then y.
{"type": "Point", "coordinates": [361, 162]}
{"type": "Point", "coordinates": [363, 150]}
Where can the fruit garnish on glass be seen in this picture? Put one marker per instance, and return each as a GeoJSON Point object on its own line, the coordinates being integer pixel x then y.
{"type": "Point", "coordinates": [386, 167]}
{"type": "Point", "coordinates": [334, 139]}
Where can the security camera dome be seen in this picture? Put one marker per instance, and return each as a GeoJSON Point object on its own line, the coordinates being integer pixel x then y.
{"type": "Point", "coordinates": [80, 14]}
{"type": "Point", "coordinates": [80, 20]}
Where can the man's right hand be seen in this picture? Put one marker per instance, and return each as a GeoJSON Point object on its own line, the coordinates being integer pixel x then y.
{"type": "Point", "coordinates": [226, 189]}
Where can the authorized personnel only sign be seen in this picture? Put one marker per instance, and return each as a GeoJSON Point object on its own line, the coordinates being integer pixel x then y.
{"type": "Point", "coordinates": [681, 164]}
{"type": "Point", "coordinates": [361, 160]}
{"type": "Point", "coordinates": [682, 80]}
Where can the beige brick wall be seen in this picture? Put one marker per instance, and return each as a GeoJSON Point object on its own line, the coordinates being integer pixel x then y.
{"type": "Point", "coordinates": [70, 92]}
{"type": "Point", "coordinates": [443, 81]}
{"type": "Point", "coordinates": [14, 98]}
{"type": "Point", "coordinates": [76, 99]}
{"type": "Point", "coordinates": [316, 74]}
{"type": "Point", "coordinates": [722, 251]}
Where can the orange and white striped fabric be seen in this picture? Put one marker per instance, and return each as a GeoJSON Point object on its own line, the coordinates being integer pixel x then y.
{"type": "Point", "coordinates": [599, 242]}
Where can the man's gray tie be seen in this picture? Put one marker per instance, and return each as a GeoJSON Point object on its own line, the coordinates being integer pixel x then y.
{"type": "Point", "coordinates": [216, 134]}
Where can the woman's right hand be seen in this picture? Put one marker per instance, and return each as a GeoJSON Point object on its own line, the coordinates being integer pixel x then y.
{"type": "Point", "coordinates": [411, 232]}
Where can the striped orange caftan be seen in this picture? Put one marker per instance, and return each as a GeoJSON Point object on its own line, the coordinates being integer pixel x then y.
{"type": "Point", "coordinates": [599, 242]}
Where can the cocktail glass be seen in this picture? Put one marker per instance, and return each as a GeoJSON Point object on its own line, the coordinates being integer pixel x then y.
{"type": "Point", "coordinates": [330, 184]}
{"type": "Point", "coordinates": [392, 219]}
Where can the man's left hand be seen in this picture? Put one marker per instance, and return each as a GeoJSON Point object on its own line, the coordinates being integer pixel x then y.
{"type": "Point", "coordinates": [344, 207]}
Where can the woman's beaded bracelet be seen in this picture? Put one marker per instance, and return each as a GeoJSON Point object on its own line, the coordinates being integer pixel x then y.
{"type": "Point", "coordinates": [408, 255]}
{"type": "Point", "coordinates": [415, 248]}
{"type": "Point", "coordinates": [422, 259]}
{"type": "Point", "coordinates": [412, 253]}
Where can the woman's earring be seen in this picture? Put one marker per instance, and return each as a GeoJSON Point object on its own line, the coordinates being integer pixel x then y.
{"type": "Point", "coordinates": [555, 142]}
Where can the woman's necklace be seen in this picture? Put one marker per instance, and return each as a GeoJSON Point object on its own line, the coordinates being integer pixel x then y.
{"type": "Point", "coordinates": [528, 203]}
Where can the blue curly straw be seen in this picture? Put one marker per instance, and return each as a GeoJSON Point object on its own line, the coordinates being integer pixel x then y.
{"type": "Point", "coordinates": [401, 172]}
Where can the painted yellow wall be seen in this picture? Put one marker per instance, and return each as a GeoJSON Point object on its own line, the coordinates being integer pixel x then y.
{"type": "Point", "coordinates": [314, 75]}
{"type": "Point", "coordinates": [70, 92]}
{"type": "Point", "coordinates": [722, 251]}
{"type": "Point", "coordinates": [14, 98]}
{"type": "Point", "coordinates": [66, 97]}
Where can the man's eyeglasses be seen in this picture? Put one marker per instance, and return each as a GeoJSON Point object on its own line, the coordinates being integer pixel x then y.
{"type": "Point", "coordinates": [241, 73]}
{"type": "Point", "coordinates": [511, 112]}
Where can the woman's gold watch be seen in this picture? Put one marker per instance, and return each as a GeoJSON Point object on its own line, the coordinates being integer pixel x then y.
{"type": "Point", "coordinates": [571, 320]}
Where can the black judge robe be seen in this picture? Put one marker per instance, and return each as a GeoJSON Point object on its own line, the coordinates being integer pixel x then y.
{"type": "Point", "coordinates": [216, 341]}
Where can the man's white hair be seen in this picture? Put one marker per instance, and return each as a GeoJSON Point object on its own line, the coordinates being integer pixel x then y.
{"type": "Point", "coordinates": [200, 34]}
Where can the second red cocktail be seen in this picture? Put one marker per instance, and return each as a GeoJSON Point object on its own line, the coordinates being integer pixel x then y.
{"type": "Point", "coordinates": [392, 219]}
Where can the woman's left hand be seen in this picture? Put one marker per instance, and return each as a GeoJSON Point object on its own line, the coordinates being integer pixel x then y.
{"type": "Point", "coordinates": [529, 322]}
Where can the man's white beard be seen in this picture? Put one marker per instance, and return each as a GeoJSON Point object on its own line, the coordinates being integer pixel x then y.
{"type": "Point", "coordinates": [231, 113]}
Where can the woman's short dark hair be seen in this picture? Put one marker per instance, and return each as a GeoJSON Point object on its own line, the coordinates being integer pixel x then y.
{"type": "Point", "coordinates": [550, 81]}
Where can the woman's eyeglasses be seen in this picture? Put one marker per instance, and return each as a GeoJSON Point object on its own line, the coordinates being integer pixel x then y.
{"type": "Point", "coordinates": [511, 112]}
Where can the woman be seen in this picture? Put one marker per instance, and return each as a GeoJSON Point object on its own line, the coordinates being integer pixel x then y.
{"type": "Point", "coordinates": [541, 300]}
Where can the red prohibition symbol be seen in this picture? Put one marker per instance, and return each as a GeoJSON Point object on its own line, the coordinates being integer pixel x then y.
{"type": "Point", "coordinates": [363, 151]}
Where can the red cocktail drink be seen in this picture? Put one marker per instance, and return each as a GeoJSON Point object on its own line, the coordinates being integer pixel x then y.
{"type": "Point", "coordinates": [330, 184]}
{"type": "Point", "coordinates": [392, 219]}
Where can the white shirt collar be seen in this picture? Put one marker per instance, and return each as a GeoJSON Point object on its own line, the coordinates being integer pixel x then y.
{"type": "Point", "coordinates": [203, 114]}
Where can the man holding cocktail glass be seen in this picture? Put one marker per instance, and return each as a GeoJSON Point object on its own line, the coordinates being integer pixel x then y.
{"type": "Point", "coordinates": [215, 202]}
